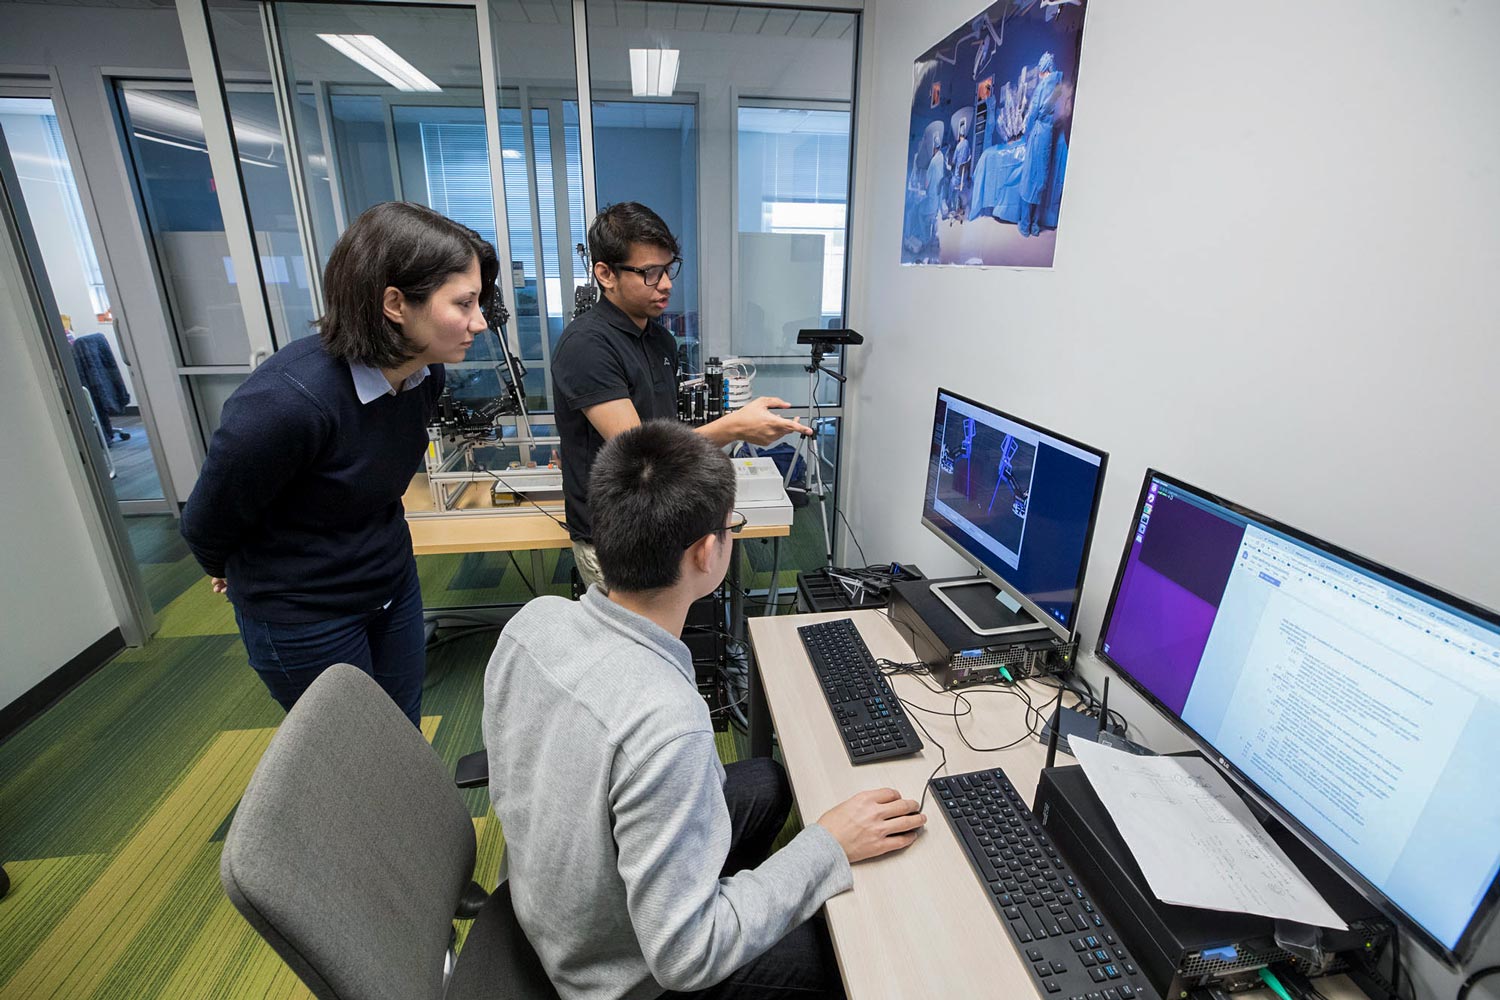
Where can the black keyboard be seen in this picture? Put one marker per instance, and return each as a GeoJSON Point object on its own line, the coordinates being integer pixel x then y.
{"type": "Point", "coordinates": [869, 716]}
{"type": "Point", "coordinates": [1071, 949]}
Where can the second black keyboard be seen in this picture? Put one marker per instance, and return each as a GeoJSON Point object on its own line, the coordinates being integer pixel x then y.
{"type": "Point", "coordinates": [870, 718]}
{"type": "Point", "coordinates": [1070, 946]}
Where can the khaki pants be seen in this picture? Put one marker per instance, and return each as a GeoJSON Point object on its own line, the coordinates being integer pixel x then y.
{"type": "Point", "coordinates": [587, 561]}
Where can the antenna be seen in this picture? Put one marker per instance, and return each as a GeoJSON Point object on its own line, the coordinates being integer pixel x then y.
{"type": "Point", "coordinates": [1104, 708]}
{"type": "Point", "coordinates": [1056, 727]}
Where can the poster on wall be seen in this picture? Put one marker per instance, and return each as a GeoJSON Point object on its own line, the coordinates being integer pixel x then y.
{"type": "Point", "coordinates": [987, 157]}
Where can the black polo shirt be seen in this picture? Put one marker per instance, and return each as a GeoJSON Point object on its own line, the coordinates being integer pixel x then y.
{"type": "Point", "coordinates": [601, 356]}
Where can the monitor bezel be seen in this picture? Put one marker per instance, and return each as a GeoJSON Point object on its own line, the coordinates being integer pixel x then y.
{"type": "Point", "coordinates": [1485, 912]}
{"type": "Point", "coordinates": [1044, 618]}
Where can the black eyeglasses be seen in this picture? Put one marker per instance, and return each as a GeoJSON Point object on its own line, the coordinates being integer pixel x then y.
{"type": "Point", "coordinates": [652, 275]}
{"type": "Point", "coordinates": [737, 522]}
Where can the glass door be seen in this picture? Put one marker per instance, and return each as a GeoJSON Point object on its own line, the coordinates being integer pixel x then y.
{"type": "Point", "coordinates": [27, 288]}
{"type": "Point", "coordinates": [49, 188]}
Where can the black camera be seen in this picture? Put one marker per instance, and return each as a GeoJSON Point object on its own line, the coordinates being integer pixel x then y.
{"type": "Point", "coordinates": [829, 338]}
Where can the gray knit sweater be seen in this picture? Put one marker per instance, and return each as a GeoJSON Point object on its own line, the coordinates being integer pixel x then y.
{"type": "Point", "coordinates": [606, 782]}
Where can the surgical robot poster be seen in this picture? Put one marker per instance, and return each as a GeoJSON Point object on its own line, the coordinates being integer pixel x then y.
{"type": "Point", "coordinates": [991, 115]}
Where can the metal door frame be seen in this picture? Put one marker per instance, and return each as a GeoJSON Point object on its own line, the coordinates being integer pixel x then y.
{"type": "Point", "coordinates": [126, 587]}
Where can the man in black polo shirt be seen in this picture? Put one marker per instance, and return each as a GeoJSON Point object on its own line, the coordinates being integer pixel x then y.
{"type": "Point", "coordinates": [616, 365]}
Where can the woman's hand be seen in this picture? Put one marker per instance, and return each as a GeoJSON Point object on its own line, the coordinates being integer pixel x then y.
{"type": "Point", "coordinates": [219, 584]}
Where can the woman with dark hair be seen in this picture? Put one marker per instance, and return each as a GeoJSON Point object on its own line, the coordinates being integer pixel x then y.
{"type": "Point", "coordinates": [297, 511]}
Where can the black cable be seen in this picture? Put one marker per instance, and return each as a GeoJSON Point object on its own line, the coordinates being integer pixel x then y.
{"type": "Point", "coordinates": [1396, 965]}
{"type": "Point", "coordinates": [1475, 977]}
{"type": "Point", "coordinates": [790, 602]}
{"type": "Point", "coordinates": [852, 536]}
{"type": "Point", "coordinates": [490, 472]}
{"type": "Point", "coordinates": [520, 573]}
{"type": "Point", "coordinates": [444, 638]}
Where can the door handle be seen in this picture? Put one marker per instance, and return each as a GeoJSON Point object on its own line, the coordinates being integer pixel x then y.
{"type": "Point", "coordinates": [257, 356]}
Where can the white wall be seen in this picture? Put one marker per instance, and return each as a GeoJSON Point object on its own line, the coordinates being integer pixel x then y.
{"type": "Point", "coordinates": [53, 600]}
{"type": "Point", "coordinates": [1274, 279]}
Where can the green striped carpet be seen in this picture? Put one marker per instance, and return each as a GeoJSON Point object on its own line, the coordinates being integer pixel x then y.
{"type": "Point", "coordinates": [114, 803]}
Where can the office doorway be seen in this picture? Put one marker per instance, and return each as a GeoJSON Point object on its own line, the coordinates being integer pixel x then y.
{"type": "Point", "coordinates": [84, 406]}
{"type": "Point", "coordinates": [50, 189]}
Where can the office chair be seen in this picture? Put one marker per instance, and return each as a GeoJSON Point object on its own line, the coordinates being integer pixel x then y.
{"type": "Point", "coordinates": [351, 854]}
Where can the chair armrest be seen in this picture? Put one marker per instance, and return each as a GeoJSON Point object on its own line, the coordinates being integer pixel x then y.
{"type": "Point", "coordinates": [473, 770]}
{"type": "Point", "coordinates": [471, 902]}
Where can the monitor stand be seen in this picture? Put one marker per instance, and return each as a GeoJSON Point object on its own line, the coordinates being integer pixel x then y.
{"type": "Point", "coordinates": [984, 607]}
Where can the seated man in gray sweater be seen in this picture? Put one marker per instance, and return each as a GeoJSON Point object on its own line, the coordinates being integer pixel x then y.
{"type": "Point", "coordinates": [637, 862]}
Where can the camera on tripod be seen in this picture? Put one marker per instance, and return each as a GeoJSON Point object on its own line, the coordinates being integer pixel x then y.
{"type": "Point", "coordinates": [821, 341]}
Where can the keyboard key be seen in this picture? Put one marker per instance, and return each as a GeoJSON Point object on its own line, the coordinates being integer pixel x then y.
{"type": "Point", "coordinates": [1111, 995]}
{"type": "Point", "coordinates": [1097, 974]}
{"type": "Point", "coordinates": [1034, 954]}
{"type": "Point", "coordinates": [1079, 944]}
{"type": "Point", "coordinates": [1058, 968]}
{"type": "Point", "coordinates": [1127, 991]}
{"type": "Point", "coordinates": [1130, 969]}
{"type": "Point", "coordinates": [1050, 985]}
{"type": "Point", "coordinates": [1112, 971]}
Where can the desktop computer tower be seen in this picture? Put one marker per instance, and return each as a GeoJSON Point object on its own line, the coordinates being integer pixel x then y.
{"type": "Point", "coordinates": [704, 635]}
{"type": "Point", "coordinates": [956, 655]}
{"type": "Point", "coordinates": [1183, 948]}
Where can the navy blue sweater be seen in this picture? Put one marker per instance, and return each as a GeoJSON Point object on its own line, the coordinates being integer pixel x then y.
{"type": "Point", "coordinates": [298, 504]}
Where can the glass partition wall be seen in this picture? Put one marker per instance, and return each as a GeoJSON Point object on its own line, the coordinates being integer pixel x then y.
{"type": "Point", "coordinates": [733, 122]}
{"type": "Point", "coordinates": [522, 117]}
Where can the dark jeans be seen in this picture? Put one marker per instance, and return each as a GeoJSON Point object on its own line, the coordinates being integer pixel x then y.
{"type": "Point", "coordinates": [801, 964]}
{"type": "Point", "coordinates": [388, 643]}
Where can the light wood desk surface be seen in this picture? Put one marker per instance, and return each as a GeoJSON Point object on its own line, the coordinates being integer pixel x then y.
{"type": "Point", "coordinates": [486, 531]}
{"type": "Point", "coordinates": [917, 924]}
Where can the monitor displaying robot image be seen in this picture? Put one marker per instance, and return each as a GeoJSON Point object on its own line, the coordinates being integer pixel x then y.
{"type": "Point", "coordinates": [1361, 706]}
{"type": "Point", "coordinates": [1019, 503]}
{"type": "Point", "coordinates": [984, 477]}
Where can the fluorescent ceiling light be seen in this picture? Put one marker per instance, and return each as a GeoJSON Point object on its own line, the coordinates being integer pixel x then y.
{"type": "Point", "coordinates": [653, 72]}
{"type": "Point", "coordinates": [176, 118]}
{"type": "Point", "coordinates": [378, 57]}
{"type": "Point", "coordinates": [199, 149]}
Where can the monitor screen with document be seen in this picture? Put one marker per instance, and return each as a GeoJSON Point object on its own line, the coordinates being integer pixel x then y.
{"type": "Point", "coordinates": [1359, 704]}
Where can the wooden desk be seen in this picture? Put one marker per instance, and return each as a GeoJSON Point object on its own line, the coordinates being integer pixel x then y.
{"type": "Point", "coordinates": [486, 531]}
{"type": "Point", "coordinates": [917, 924]}
{"type": "Point", "coordinates": [483, 530]}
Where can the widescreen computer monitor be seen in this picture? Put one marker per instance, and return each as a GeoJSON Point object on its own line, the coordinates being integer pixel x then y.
{"type": "Point", "coordinates": [1018, 502]}
{"type": "Point", "coordinates": [1360, 705]}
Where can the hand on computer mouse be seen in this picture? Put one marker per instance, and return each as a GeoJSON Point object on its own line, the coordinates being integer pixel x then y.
{"type": "Point", "coordinates": [873, 823]}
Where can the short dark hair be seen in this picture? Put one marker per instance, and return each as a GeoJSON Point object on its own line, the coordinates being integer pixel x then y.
{"type": "Point", "coordinates": [401, 245]}
{"type": "Point", "coordinates": [619, 226]}
{"type": "Point", "coordinates": [653, 491]}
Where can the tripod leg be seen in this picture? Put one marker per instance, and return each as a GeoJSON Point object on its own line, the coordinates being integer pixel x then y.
{"type": "Point", "coordinates": [815, 476]}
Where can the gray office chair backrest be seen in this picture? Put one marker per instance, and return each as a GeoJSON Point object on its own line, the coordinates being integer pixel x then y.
{"type": "Point", "coordinates": [351, 847]}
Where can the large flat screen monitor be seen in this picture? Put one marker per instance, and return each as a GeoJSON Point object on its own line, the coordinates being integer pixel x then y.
{"type": "Point", "coordinates": [1019, 503]}
{"type": "Point", "coordinates": [1360, 705]}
